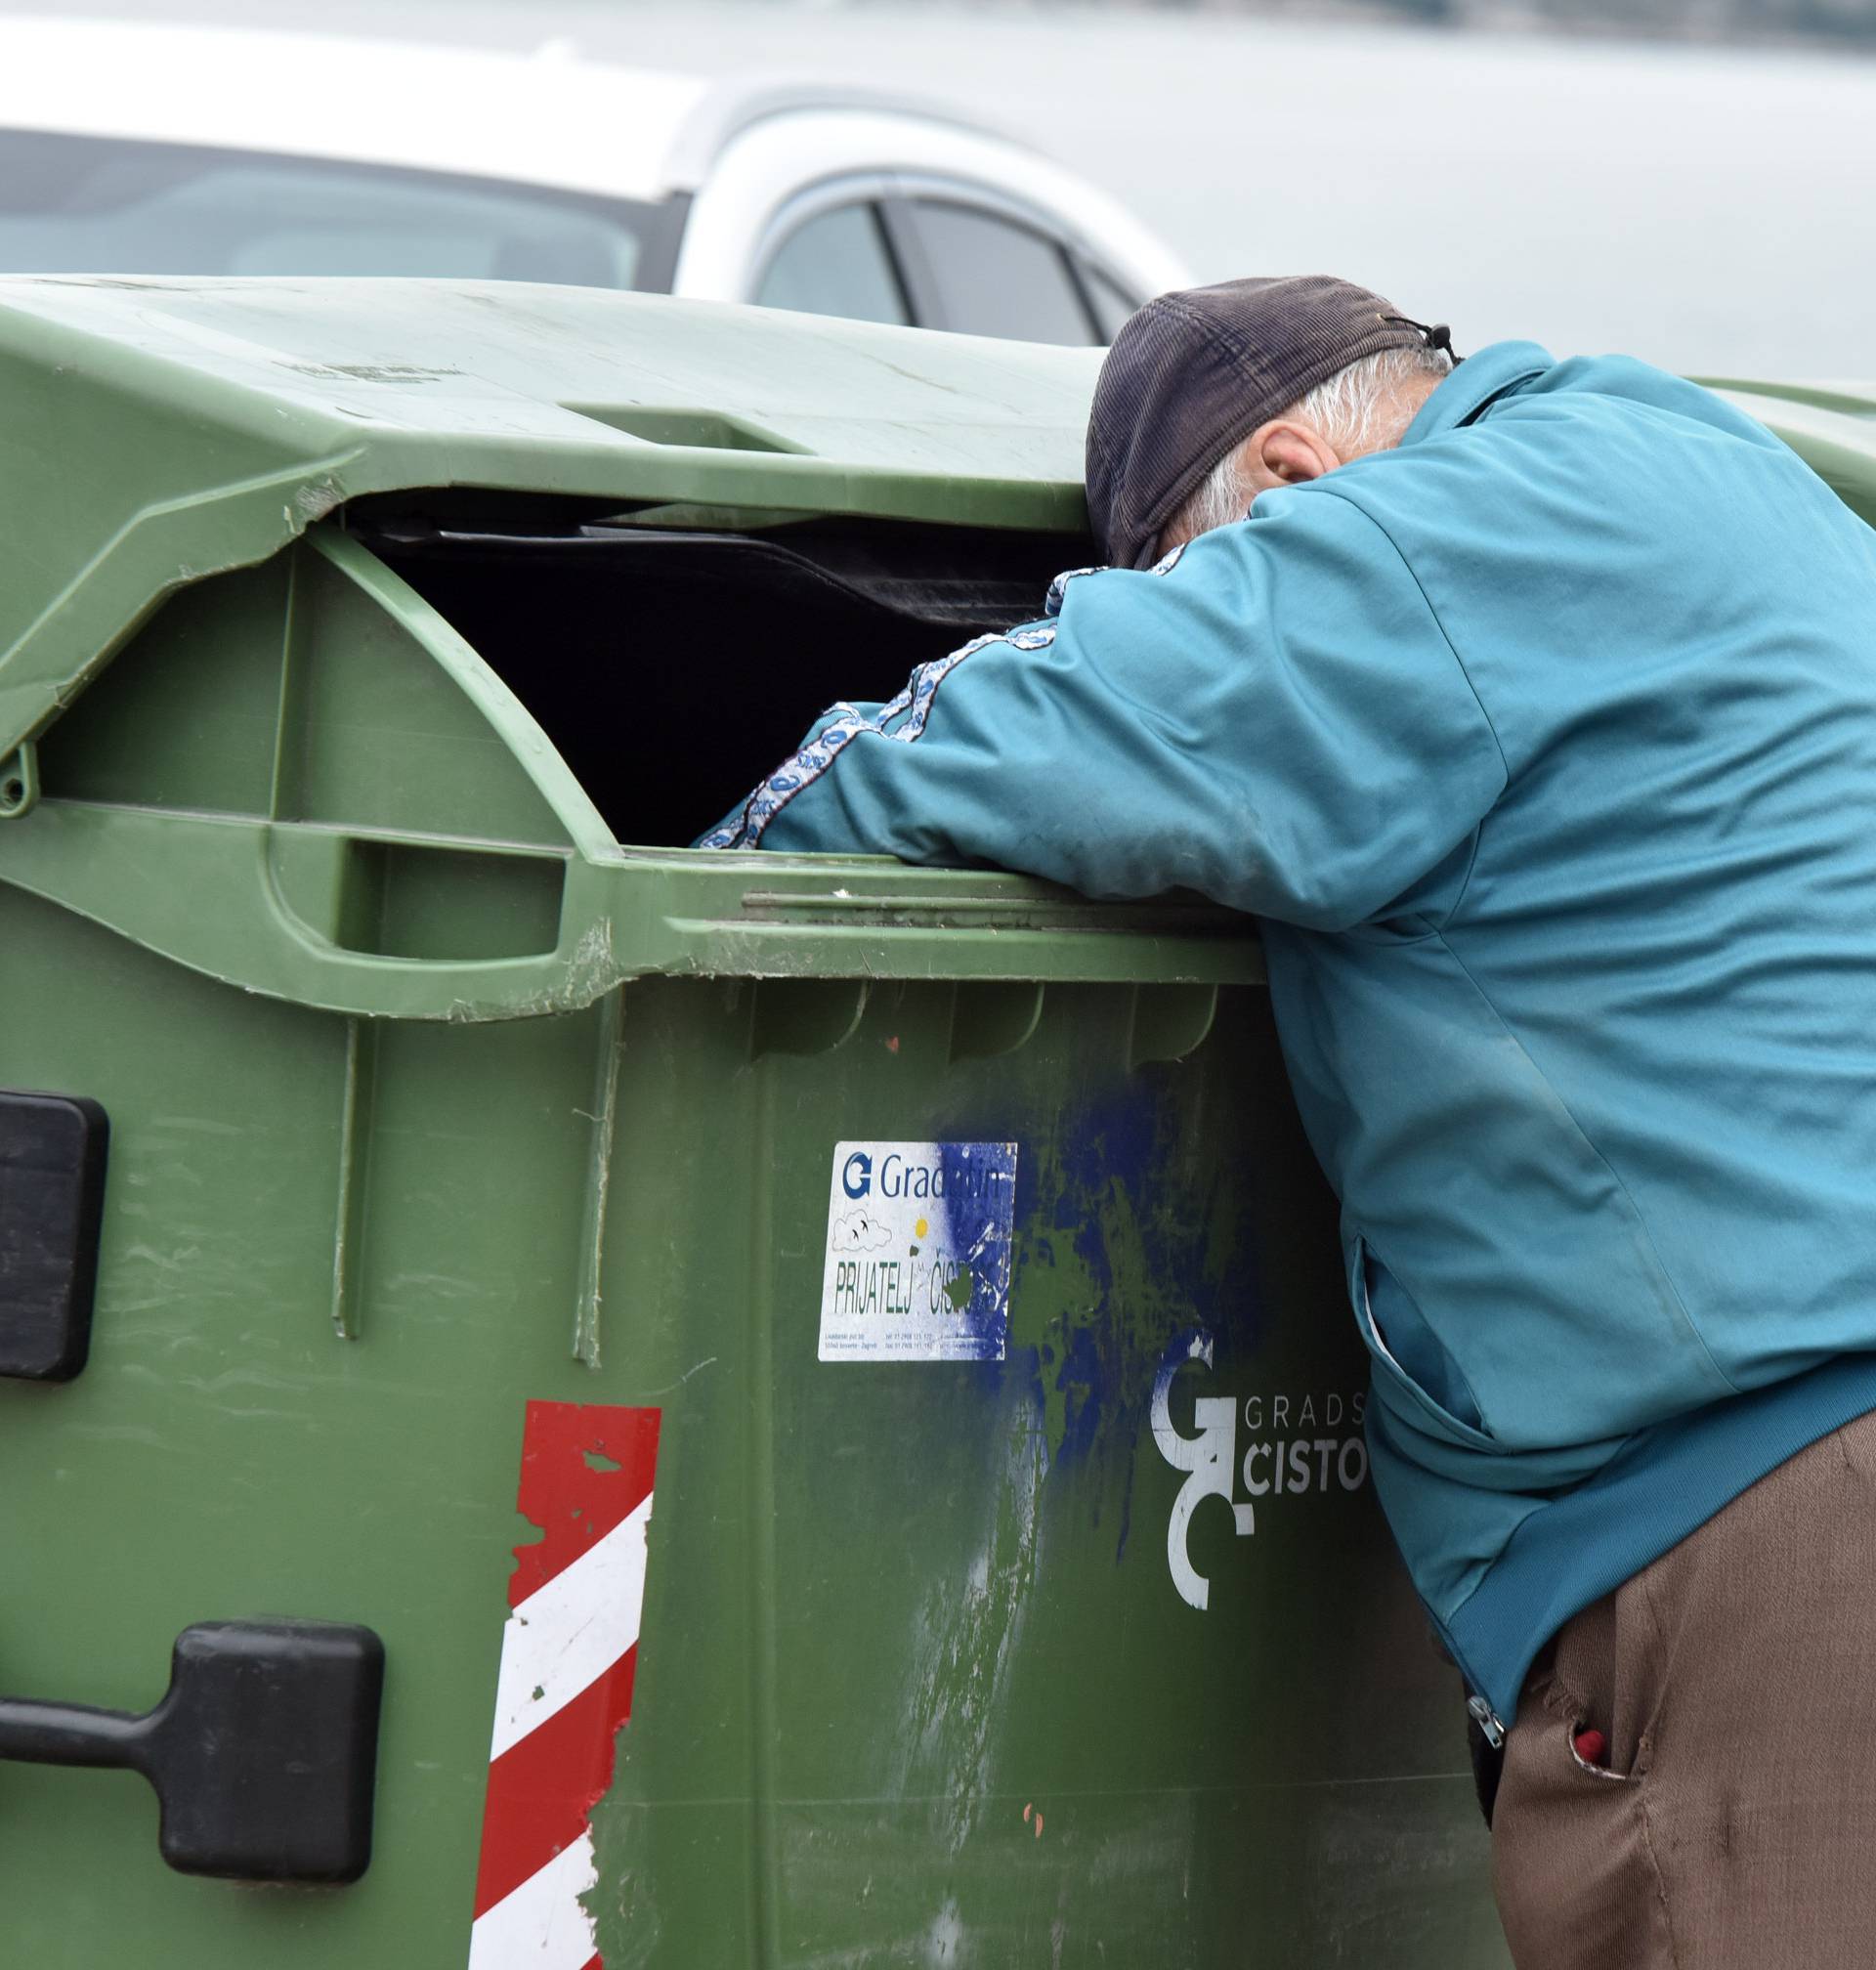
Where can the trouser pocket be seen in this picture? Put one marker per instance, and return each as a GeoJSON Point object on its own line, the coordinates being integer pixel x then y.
{"type": "Point", "coordinates": [1570, 1862]}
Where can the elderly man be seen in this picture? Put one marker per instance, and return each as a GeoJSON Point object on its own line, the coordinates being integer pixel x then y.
{"type": "Point", "coordinates": [1531, 705]}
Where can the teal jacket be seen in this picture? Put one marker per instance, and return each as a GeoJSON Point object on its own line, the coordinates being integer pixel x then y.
{"type": "Point", "coordinates": [1545, 747]}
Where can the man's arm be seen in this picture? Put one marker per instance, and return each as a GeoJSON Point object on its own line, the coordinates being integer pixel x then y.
{"type": "Point", "coordinates": [1277, 721]}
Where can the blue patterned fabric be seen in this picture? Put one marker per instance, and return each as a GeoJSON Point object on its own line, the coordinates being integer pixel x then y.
{"type": "Point", "coordinates": [901, 719]}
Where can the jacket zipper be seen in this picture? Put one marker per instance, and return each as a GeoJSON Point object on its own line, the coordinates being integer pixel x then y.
{"type": "Point", "coordinates": [1477, 1707]}
{"type": "Point", "coordinates": [1486, 1717]}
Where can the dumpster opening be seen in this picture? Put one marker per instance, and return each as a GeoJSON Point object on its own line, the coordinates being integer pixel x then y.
{"type": "Point", "coordinates": [671, 667]}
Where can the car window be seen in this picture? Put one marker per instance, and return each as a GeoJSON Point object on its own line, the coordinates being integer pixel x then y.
{"type": "Point", "coordinates": [1111, 306]}
{"type": "Point", "coordinates": [994, 277]}
{"type": "Point", "coordinates": [836, 263]}
{"type": "Point", "coordinates": [98, 206]}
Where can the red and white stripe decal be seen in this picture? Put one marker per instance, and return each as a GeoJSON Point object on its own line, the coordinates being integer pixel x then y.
{"type": "Point", "coordinates": [567, 1655]}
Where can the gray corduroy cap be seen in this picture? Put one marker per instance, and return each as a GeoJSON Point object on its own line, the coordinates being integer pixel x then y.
{"type": "Point", "coordinates": [1195, 372]}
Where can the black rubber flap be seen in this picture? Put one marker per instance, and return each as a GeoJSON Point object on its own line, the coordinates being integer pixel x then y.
{"type": "Point", "coordinates": [264, 1753]}
{"type": "Point", "coordinates": [52, 1196]}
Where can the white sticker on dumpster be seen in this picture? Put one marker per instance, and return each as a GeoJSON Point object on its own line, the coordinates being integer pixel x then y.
{"type": "Point", "coordinates": [918, 1251]}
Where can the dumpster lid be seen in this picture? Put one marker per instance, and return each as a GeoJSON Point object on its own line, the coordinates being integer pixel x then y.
{"type": "Point", "coordinates": [1830, 425]}
{"type": "Point", "coordinates": [156, 430]}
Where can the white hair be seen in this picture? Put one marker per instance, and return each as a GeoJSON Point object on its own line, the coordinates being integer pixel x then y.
{"type": "Point", "coordinates": [1357, 409]}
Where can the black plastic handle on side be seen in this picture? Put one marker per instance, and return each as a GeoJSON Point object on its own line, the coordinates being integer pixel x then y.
{"type": "Point", "coordinates": [263, 1754]}
{"type": "Point", "coordinates": [53, 1150]}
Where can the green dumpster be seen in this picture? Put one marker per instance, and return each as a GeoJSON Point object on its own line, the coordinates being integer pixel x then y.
{"type": "Point", "coordinates": [828, 1385]}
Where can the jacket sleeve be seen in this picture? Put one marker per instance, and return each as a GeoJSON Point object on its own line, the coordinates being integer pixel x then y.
{"type": "Point", "coordinates": [1275, 718]}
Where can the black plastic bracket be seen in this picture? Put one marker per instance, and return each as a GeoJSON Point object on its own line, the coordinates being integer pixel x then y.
{"type": "Point", "coordinates": [264, 1753]}
{"type": "Point", "coordinates": [52, 1200]}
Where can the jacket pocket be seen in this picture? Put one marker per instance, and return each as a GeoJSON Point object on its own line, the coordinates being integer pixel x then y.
{"type": "Point", "coordinates": [1409, 1360]}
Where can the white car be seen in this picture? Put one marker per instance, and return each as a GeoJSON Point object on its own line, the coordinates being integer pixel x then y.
{"type": "Point", "coordinates": [146, 149]}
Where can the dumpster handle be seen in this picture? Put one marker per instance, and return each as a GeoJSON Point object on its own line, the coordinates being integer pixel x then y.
{"type": "Point", "coordinates": [263, 1752]}
{"type": "Point", "coordinates": [19, 781]}
{"type": "Point", "coordinates": [70, 1734]}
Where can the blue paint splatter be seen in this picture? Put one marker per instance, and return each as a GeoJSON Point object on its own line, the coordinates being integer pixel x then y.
{"type": "Point", "coordinates": [1125, 1156]}
{"type": "Point", "coordinates": [979, 1203]}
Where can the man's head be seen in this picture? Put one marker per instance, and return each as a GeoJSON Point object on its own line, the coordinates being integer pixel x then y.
{"type": "Point", "coordinates": [1212, 395]}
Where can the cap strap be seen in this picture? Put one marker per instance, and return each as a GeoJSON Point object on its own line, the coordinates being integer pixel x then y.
{"type": "Point", "coordinates": [1438, 335]}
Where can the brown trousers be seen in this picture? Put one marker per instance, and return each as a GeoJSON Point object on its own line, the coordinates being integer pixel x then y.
{"type": "Point", "coordinates": [1732, 1824]}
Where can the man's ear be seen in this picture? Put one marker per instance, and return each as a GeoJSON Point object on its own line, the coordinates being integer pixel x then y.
{"type": "Point", "coordinates": [1288, 454]}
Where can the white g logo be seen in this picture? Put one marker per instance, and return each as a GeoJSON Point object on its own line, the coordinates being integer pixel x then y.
{"type": "Point", "coordinates": [1209, 1457]}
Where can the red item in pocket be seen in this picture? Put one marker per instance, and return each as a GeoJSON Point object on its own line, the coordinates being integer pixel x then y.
{"type": "Point", "coordinates": [1592, 1746]}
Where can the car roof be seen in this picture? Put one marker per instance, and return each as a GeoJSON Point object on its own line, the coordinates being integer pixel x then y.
{"type": "Point", "coordinates": [552, 117]}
